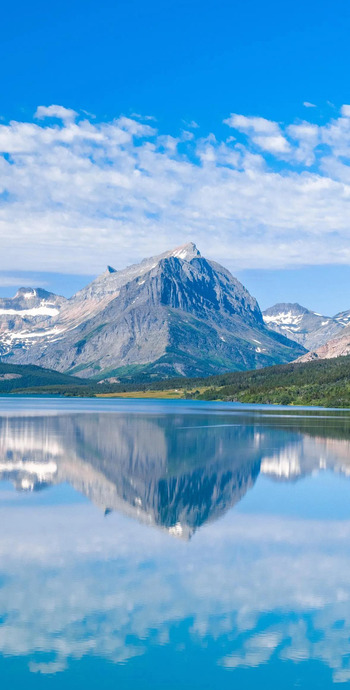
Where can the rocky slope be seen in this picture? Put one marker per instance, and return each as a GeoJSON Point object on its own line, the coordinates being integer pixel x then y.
{"type": "Point", "coordinates": [177, 313]}
{"type": "Point", "coordinates": [336, 347]}
{"type": "Point", "coordinates": [302, 325]}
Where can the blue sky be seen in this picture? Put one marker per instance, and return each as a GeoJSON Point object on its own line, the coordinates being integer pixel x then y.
{"type": "Point", "coordinates": [152, 156]}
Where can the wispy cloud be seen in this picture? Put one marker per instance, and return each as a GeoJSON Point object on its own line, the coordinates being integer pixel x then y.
{"type": "Point", "coordinates": [191, 125]}
{"type": "Point", "coordinates": [265, 134]}
{"type": "Point", "coordinates": [14, 281]}
{"type": "Point", "coordinates": [77, 194]}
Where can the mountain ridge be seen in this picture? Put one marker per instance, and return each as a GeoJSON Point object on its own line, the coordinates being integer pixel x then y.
{"type": "Point", "coordinates": [298, 323]}
{"type": "Point", "coordinates": [176, 313]}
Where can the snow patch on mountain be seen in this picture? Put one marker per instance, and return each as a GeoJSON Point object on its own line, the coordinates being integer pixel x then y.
{"type": "Point", "coordinates": [343, 318]}
{"type": "Point", "coordinates": [35, 311]}
{"type": "Point", "coordinates": [309, 328]}
{"type": "Point", "coordinates": [284, 317]}
{"type": "Point", "coordinates": [179, 312]}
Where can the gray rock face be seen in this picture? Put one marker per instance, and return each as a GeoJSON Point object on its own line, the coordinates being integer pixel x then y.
{"type": "Point", "coordinates": [302, 325]}
{"type": "Point", "coordinates": [177, 313]}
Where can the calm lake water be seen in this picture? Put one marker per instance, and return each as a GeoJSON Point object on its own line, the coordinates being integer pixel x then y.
{"type": "Point", "coordinates": [166, 545]}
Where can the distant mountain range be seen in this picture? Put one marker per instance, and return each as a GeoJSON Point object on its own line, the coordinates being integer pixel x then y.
{"type": "Point", "coordinates": [302, 325]}
{"type": "Point", "coordinates": [174, 314]}
{"type": "Point", "coordinates": [324, 337]}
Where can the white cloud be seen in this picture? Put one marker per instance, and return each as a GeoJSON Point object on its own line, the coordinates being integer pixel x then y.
{"type": "Point", "coordinates": [273, 144]}
{"type": "Point", "coordinates": [307, 104]}
{"type": "Point", "coordinates": [265, 134]}
{"type": "Point", "coordinates": [345, 110]}
{"type": "Point", "coordinates": [258, 125]}
{"type": "Point", "coordinates": [308, 137]}
{"type": "Point", "coordinates": [65, 114]}
{"type": "Point", "coordinates": [77, 195]}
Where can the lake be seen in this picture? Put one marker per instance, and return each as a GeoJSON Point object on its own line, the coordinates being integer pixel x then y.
{"type": "Point", "coordinates": [171, 544]}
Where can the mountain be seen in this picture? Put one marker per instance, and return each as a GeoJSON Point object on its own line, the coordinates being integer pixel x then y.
{"type": "Point", "coordinates": [174, 314]}
{"type": "Point", "coordinates": [336, 347]}
{"type": "Point", "coordinates": [302, 325]}
{"type": "Point", "coordinates": [325, 337]}
{"type": "Point", "coordinates": [343, 318]}
{"type": "Point", "coordinates": [30, 303]}
{"type": "Point", "coordinates": [29, 312]}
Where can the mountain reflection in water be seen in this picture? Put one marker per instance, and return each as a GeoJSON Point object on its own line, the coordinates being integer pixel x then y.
{"type": "Point", "coordinates": [161, 469]}
{"type": "Point", "coordinates": [257, 598]}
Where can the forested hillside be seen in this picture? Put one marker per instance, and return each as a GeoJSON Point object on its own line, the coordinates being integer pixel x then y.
{"type": "Point", "coordinates": [16, 377]}
{"type": "Point", "coordinates": [323, 382]}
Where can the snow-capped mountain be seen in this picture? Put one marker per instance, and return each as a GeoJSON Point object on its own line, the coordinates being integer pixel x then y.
{"type": "Point", "coordinates": [302, 325]}
{"type": "Point", "coordinates": [174, 314]}
{"type": "Point", "coordinates": [343, 318]}
{"type": "Point", "coordinates": [25, 315]}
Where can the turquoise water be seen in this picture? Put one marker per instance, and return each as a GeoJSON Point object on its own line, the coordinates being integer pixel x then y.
{"type": "Point", "coordinates": [173, 544]}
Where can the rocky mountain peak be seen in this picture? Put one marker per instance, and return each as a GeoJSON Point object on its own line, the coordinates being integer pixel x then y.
{"type": "Point", "coordinates": [110, 271]}
{"type": "Point", "coordinates": [176, 313]}
{"type": "Point", "coordinates": [26, 292]}
{"type": "Point", "coordinates": [31, 294]}
{"type": "Point", "coordinates": [186, 252]}
{"type": "Point", "coordinates": [108, 284]}
{"type": "Point", "coordinates": [287, 308]}
{"type": "Point", "coordinates": [306, 327]}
